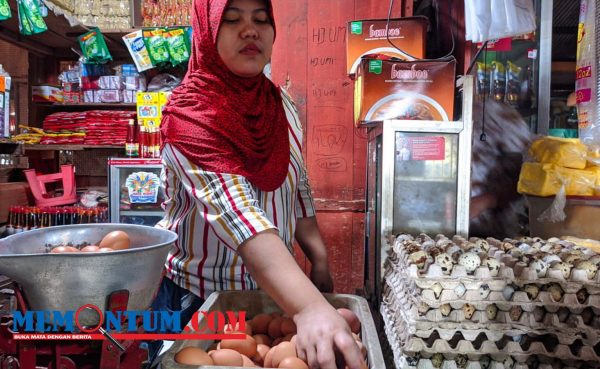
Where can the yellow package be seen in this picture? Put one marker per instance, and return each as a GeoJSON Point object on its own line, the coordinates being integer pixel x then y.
{"type": "Point", "coordinates": [546, 179]}
{"type": "Point", "coordinates": [564, 152]}
{"type": "Point", "coordinates": [595, 171]}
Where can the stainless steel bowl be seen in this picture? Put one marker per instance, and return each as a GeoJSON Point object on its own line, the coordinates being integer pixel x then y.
{"type": "Point", "coordinates": [65, 282]}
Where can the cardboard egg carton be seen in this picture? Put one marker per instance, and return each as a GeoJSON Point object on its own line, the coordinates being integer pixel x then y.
{"type": "Point", "coordinates": [481, 299]}
{"type": "Point", "coordinates": [501, 359]}
{"type": "Point", "coordinates": [511, 267]}
{"type": "Point", "coordinates": [540, 321]}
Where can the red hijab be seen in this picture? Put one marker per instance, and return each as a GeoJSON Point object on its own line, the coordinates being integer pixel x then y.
{"type": "Point", "coordinates": [222, 122]}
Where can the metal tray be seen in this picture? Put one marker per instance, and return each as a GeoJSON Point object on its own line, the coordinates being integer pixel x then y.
{"type": "Point", "coordinates": [255, 302]}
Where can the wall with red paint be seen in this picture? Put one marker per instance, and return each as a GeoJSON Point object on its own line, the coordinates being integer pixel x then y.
{"type": "Point", "coordinates": [310, 59]}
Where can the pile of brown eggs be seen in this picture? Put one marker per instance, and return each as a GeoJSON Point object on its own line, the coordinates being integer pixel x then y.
{"type": "Point", "coordinates": [116, 240]}
{"type": "Point", "coordinates": [270, 342]}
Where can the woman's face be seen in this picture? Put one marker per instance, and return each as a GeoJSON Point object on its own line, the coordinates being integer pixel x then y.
{"type": "Point", "coordinates": [245, 39]}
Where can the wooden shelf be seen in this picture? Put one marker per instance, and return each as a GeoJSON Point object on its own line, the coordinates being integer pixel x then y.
{"type": "Point", "coordinates": [87, 105]}
{"type": "Point", "coordinates": [40, 147]}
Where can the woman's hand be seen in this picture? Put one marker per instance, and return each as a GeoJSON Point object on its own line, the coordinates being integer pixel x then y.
{"type": "Point", "coordinates": [322, 333]}
{"type": "Point", "coordinates": [321, 277]}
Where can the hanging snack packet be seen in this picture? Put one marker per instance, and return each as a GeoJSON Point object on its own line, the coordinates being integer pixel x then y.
{"type": "Point", "coordinates": [31, 11]}
{"type": "Point", "coordinates": [498, 81]}
{"type": "Point", "coordinates": [156, 46]}
{"type": "Point", "coordinates": [94, 47]}
{"type": "Point", "coordinates": [43, 8]}
{"type": "Point", "coordinates": [483, 83]}
{"type": "Point", "coordinates": [25, 26]}
{"type": "Point", "coordinates": [139, 53]}
{"type": "Point", "coordinates": [513, 83]}
{"type": "Point", "coordinates": [4, 10]}
{"type": "Point", "coordinates": [179, 51]}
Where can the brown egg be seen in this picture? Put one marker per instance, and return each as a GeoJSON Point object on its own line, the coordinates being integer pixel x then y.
{"type": "Point", "coordinates": [247, 346]}
{"type": "Point", "coordinates": [227, 357]}
{"type": "Point", "coordinates": [261, 353]}
{"type": "Point", "coordinates": [288, 326]}
{"type": "Point", "coordinates": [193, 356]}
{"type": "Point", "coordinates": [116, 240]}
{"type": "Point", "coordinates": [268, 361]}
{"type": "Point", "coordinates": [260, 323]}
{"type": "Point", "coordinates": [351, 319]}
{"type": "Point", "coordinates": [276, 314]}
{"type": "Point", "coordinates": [247, 329]}
{"type": "Point", "coordinates": [287, 337]}
{"type": "Point", "coordinates": [90, 248]}
{"type": "Point", "coordinates": [284, 349]}
{"type": "Point", "coordinates": [274, 329]}
{"type": "Point", "coordinates": [292, 363]}
{"type": "Point", "coordinates": [247, 363]}
{"type": "Point", "coordinates": [63, 249]}
{"type": "Point", "coordinates": [263, 338]}
{"type": "Point", "coordinates": [276, 341]}
{"type": "Point", "coordinates": [105, 249]}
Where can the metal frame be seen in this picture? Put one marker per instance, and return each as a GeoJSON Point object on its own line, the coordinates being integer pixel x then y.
{"type": "Point", "coordinates": [463, 128]}
{"type": "Point", "coordinates": [545, 66]}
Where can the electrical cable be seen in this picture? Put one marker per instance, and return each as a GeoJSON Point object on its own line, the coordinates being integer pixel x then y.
{"type": "Point", "coordinates": [389, 16]}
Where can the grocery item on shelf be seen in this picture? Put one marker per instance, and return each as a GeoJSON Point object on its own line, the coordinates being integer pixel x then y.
{"type": "Point", "coordinates": [163, 13]}
{"type": "Point", "coordinates": [511, 303]}
{"type": "Point", "coordinates": [5, 81]}
{"type": "Point", "coordinates": [93, 47]}
{"type": "Point", "coordinates": [137, 48]}
{"type": "Point", "coordinates": [30, 17]}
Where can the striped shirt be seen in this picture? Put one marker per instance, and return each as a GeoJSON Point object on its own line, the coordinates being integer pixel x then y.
{"type": "Point", "coordinates": [213, 213]}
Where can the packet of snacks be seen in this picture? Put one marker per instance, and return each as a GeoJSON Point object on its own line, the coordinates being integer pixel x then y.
{"type": "Point", "coordinates": [156, 45]}
{"type": "Point", "coordinates": [513, 83]}
{"type": "Point", "coordinates": [483, 81]}
{"type": "Point", "coordinates": [5, 12]}
{"type": "Point", "coordinates": [498, 81]}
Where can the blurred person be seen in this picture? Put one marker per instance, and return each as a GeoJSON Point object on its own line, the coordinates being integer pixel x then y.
{"type": "Point", "coordinates": [497, 210]}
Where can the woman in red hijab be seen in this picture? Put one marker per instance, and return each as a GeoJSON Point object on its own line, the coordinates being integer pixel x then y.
{"type": "Point", "coordinates": [236, 190]}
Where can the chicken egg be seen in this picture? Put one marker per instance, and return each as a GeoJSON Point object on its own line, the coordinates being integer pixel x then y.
{"type": "Point", "coordinates": [63, 249]}
{"type": "Point", "coordinates": [351, 319]}
{"type": "Point", "coordinates": [274, 329]}
{"type": "Point", "coordinates": [288, 326]}
{"type": "Point", "coordinates": [90, 248]}
{"type": "Point", "coordinates": [284, 349]}
{"type": "Point", "coordinates": [193, 356]}
{"type": "Point", "coordinates": [261, 353]}
{"type": "Point", "coordinates": [116, 240]}
{"type": "Point", "coordinates": [227, 357]}
{"type": "Point", "coordinates": [247, 363]}
{"type": "Point", "coordinates": [292, 363]}
{"type": "Point", "coordinates": [260, 323]}
{"type": "Point", "coordinates": [105, 249]}
{"type": "Point", "coordinates": [262, 338]}
{"type": "Point", "coordinates": [248, 328]}
{"type": "Point", "coordinates": [246, 346]}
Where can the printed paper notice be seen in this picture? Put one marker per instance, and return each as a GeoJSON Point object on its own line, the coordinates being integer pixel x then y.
{"type": "Point", "coordinates": [421, 148]}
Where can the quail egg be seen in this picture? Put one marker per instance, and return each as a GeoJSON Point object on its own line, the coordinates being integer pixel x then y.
{"type": "Point", "coordinates": [532, 291]}
{"type": "Point", "coordinates": [483, 245]}
{"type": "Point", "coordinates": [582, 295]}
{"type": "Point", "coordinates": [540, 267]}
{"type": "Point", "coordinates": [445, 262]}
{"type": "Point", "coordinates": [460, 290]}
{"type": "Point", "coordinates": [564, 268]}
{"type": "Point", "coordinates": [485, 362]}
{"type": "Point", "coordinates": [556, 291]}
{"type": "Point", "coordinates": [468, 310]}
{"type": "Point", "coordinates": [493, 265]}
{"type": "Point", "coordinates": [484, 291]}
{"type": "Point", "coordinates": [445, 309]}
{"type": "Point", "coordinates": [515, 312]}
{"type": "Point", "coordinates": [434, 251]}
{"type": "Point", "coordinates": [437, 360]}
{"type": "Point", "coordinates": [595, 259]}
{"type": "Point", "coordinates": [461, 361]}
{"type": "Point", "coordinates": [491, 311]}
{"type": "Point", "coordinates": [590, 268]}
{"type": "Point", "coordinates": [508, 292]}
{"type": "Point", "coordinates": [470, 261]}
{"type": "Point", "coordinates": [419, 258]}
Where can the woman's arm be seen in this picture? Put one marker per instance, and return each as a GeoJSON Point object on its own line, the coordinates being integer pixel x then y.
{"type": "Point", "coordinates": [310, 241]}
{"type": "Point", "coordinates": [321, 330]}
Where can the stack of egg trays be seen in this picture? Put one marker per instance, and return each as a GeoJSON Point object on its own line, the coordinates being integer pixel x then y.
{"type": "Point", "coordinates": [414, 301]}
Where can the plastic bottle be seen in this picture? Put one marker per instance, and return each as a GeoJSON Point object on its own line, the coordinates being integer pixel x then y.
{"type": "Point", "coordinates": [587, 75]}
{"type": "Point", "coordinates": [131, 142]}
{"type": "Point", "coordinates": [143, 142]}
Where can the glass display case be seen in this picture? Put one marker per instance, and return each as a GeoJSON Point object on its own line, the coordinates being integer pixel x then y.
{"type": "Point", "coordinates": [418, 180]}
{"type": "Point", "coordinates": [135, 194]}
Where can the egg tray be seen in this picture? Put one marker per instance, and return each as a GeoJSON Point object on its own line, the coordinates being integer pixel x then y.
{"type": "Point", "coordinates": [461, 363]}
{"type": "Point", "coordinates": [537, 321]}
{"type": "Point", "coordinates": [510, 266]}
{"type": "Point", "coordinates": [486, 294]}
{"type": "Point", "coordinates": [255, 302]}
{"type": "Point", "coordinates": [506, 275]}
{"type": "Point", "coordinates": [472, 342]}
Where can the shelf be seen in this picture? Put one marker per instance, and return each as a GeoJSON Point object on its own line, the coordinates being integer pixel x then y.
{"type": "Point", "coordinates": [87, 105]}
{"type": "Point", "coordinates": [142, 213]}
{"type": "Point", "coordinates": [38, 147]}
